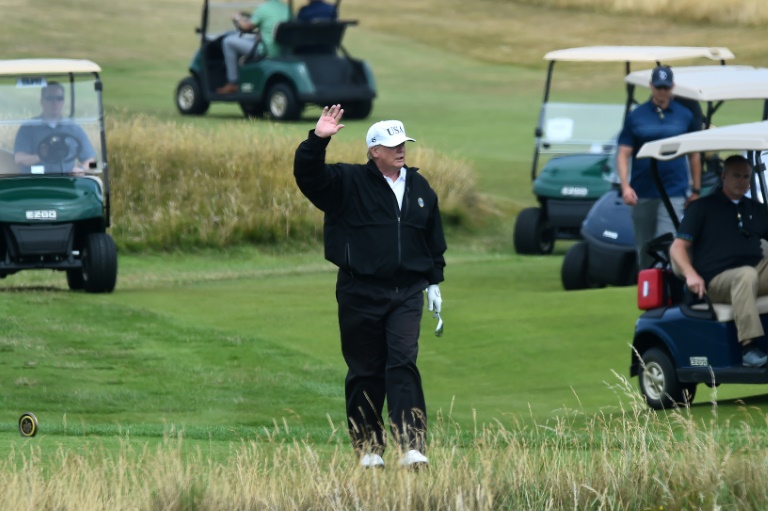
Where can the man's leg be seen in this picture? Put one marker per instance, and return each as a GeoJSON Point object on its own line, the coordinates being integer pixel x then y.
{"type": "Point", "coordinates": [405, 396]}
{"type": "Point", "coordinates": [644, 215]}
{"type": "Point", "coordinates": [664, 222]}
{"type": "Point", "coordinates": [762, 277]}
{"type": "Point", "coordinates": [233, 46]}
{"type": "Point", "coordinates": [363, 344]}
{"type": "Point", "coordinates": [739, 287]}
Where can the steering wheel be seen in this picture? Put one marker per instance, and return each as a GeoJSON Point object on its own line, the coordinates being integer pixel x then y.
{"type": "Point", "coordinates": [59, 148]}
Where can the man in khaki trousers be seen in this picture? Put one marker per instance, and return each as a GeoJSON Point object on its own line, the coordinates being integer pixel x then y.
{"type": "Point", "coordinates": [718, 251]}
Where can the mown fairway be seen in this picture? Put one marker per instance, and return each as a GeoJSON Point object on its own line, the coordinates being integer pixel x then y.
{"type": "Point", "coordinates": [242, 344]}
{"type": "Point", "coordinates": [515, 341]}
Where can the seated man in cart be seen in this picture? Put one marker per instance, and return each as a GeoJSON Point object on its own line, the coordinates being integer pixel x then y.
{"type": "Point", "coordinates": [264, 18]}
{"type": "Point", "coordinates": [51, 143]}
{"type": "Point", "coordinates": [718, 250]}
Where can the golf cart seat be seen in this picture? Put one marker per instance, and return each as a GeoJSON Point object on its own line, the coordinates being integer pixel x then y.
{"type": "Point", "coordinates": [724, 311]}
{"type": "Point", "coordinates": [321, 36]}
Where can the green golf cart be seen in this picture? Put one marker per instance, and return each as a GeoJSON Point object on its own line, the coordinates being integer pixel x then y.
{"type": "Point", "coordinates": [54, 179]}
{"type": "Point", "coordinates": [312, 68]}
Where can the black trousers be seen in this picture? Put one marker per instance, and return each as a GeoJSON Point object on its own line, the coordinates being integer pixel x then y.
{"type": "Point", "coordinates": [379, 326]}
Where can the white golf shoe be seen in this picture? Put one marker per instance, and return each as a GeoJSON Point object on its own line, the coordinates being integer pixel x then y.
{"type": "Point", "coordinates": [413, 459]}
{"type": "Point", "coordinates": [371, 460]}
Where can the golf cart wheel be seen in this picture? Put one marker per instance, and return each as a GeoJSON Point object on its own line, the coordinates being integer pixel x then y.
{"type": "Point", "coordinates": [99, 263]}
{"type": "Point", "coordinates": [282, 103]}
{"type": "Point", "coordinates": [75, 280]}
{"type": "Point", "coordinates": [252, 110]}
{"type": "Point", "coordinates": [189, 97]}
{"type": "Point", "coordinates": [357, 109]}
{"type": "Point", "coordinates": [532, 236]}
{"type": "Point", "coordinates": [659, 384]}
{"type": "Point", "coordinates": [573, 273]}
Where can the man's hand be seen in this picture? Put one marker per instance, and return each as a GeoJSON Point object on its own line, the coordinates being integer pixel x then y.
{"type": "Point", "coordinates": [696, 285]}
{"type": "Point", "coordinates": [629, 196]}
{"type": "Point", "coordinates": [328, 124]}
{"type": "Point", "coordinates": [434, 301]}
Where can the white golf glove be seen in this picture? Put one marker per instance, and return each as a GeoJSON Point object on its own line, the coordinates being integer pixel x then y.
{"type": "Point", "coordinates": [434, 301]}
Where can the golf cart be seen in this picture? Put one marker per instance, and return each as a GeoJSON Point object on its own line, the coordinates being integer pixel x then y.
{"type": "Point", "coordinates": [54, 179]}
{"type": "Point", "coordinates": [313, 68]}
{"type": "Point", "coordinates": [680, 342]}
{"type": "Point", "coordinates": [580, 141]}
{"type": "Point", "coordinates": [607, 254]}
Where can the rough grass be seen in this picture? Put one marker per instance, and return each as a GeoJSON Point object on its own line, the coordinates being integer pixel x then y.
{"type": "Point", "coordinates": [738, 12]}
{"type": "Point", "coordinates": [184, 186]}
{"type": "Point", "coordinates": [520, 32]}
{"type": "Point", "coordinates": [630, 460]}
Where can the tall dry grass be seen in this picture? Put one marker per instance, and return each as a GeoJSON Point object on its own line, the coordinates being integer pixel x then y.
{"type": "Point", "coordinates": [180, 186]}
{"type": "Point", "coordinates": [520, 32]}
{"type": "Point", "coordinates": [740, 12]}
{"type": "Point", "coordinates": [629, 459]}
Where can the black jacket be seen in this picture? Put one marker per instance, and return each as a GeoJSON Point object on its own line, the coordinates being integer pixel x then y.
{"type": "Point", "coordinates": [365, 232]}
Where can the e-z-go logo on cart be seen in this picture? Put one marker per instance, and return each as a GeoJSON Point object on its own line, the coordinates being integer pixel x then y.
{"type": "Point", "coordinates": [41, 214]}
{"type": "Point", "coordinates": [574, 191]}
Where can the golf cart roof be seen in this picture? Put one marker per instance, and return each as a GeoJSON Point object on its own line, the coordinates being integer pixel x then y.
{"type": "Point", "coordinates": [46, 66]}
{"type": "Point", "coordinates": [712, 83]}
{"type": "Point", "coordinates": [738, 137]}
{"type": "Point", "coordinates": [638, 53]}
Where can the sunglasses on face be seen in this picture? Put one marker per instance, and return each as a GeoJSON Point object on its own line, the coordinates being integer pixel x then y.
{"type": "Point", "coordinates": [54, 98]}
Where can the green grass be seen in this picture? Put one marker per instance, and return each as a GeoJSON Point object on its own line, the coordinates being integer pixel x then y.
{"type": "Point", "coordinates": [505, 314]}
{"type": "Point", "coordinates": [246, 338]}
{"type": "Point", "coordinates": [227, 348]}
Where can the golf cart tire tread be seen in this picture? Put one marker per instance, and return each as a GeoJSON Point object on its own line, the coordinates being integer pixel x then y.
{"type": "Point", "coordinates": [198, 104]}
{"type": "Point", "coordinates": [672, 393]}
{"type": "Point", "coordinates": [531, 235]}
{"type": "Point", "coordinates": [75, 279]}
{"type": "Point", "coordinates": [100, 263]}
{"type": "Point", "coordinates": [358, 109]}
{"type": "Point", "coordinates": [573, 273]}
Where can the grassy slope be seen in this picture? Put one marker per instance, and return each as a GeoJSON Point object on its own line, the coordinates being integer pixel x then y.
{"type": "Point", "coordinates": [252, 342]}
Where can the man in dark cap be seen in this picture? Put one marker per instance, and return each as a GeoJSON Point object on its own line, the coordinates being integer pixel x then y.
{"type": "Point", "coordinates": [660, 117]}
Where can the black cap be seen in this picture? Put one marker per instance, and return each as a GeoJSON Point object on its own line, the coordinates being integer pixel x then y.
{"type": "Point", "coordinates": [662, 77]}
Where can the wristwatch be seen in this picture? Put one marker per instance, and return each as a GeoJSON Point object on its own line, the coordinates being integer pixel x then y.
{"type": "Point", "coordinates": [697, 191]}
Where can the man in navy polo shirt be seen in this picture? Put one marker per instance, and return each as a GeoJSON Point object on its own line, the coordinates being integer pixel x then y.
{"type": "Point", "coordinates": [660, 117]}
{"type": "Point", "coordinates": [718, 251]}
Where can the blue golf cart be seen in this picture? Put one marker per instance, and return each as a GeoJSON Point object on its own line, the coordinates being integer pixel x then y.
{"type": "Point", "coordinates": [680, 341]}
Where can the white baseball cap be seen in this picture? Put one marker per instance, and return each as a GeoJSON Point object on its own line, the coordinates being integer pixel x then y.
{"type": "Point", "coordinates": [387, 133]}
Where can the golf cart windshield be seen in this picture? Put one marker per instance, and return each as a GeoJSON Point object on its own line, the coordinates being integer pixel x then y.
{"type": "Point", "coordinates": [570, 128]}
{"type": "Point", "coordinates": [50, 122]}
{"type": "Point", "coordinates": [220, 16]}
